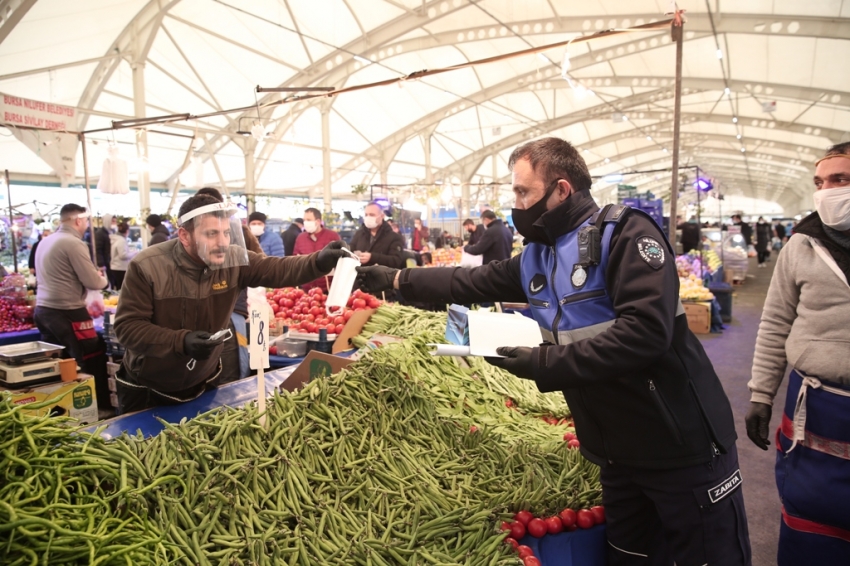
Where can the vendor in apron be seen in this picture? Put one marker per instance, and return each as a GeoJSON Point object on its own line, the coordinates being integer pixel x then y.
{"type": "Point", "coordinates": [805, 325]}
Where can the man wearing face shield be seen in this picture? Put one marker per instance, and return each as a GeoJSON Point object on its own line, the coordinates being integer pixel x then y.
{"type": "Point", "coordinates": [177, 299]}
{"type": "Point", "coordinates": [648, 406]}
{"type": "Point", "coordinates": [804, 324]}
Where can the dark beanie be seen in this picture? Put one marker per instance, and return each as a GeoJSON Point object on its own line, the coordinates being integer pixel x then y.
{"type": "Point", "coordinates": [257, 216]}
{"type": "Point", "coordinates": [153, 220]}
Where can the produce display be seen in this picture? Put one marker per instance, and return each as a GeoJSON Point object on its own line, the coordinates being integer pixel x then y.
{"type": "Point", "coordinates": [401, 458]}
{"type": "Point", "coordinates": [445, 257]}
{"type": "Point", "coordinates": [304, 311]}
{"type": "Point", "coordinates": [15, 309]}
{"type": "Point", "coordinates": [690, 263]}
{"type": "Point", "coordinates": [691, 288]}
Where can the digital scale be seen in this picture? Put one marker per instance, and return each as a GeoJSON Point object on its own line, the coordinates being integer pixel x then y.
{"type": "Point", "coordinates": [31, 363]}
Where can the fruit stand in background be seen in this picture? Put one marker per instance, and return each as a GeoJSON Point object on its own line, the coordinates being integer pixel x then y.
{"type": "Point", "coordinates": [17, 305]}
{"type": "Point", "coordinates": [446, 257]}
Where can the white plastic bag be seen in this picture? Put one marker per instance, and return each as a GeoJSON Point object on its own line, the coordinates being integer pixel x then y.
{"type": "Point", "coordinates": [114, 178]}
{"type": "Point", "coordinates": [469, 260]}
{"type": "Point", "coordinates": [94, 304]}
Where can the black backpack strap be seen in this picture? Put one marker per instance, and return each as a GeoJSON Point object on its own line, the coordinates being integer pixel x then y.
{"type": "Point", "coordinates": [609, 213]}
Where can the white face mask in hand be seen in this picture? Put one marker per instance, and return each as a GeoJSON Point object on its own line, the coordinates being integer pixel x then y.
{"type": "Point", "coordinates": [833, 206]}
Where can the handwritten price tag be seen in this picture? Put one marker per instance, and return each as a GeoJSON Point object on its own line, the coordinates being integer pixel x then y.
{"type": "Point", "coordinates": [258, 343]}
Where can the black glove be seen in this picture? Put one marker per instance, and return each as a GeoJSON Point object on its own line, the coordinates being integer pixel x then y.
{"type": "Point", "coordinates": [518, 361]}
{"type": "Point", "coordinates": [758, 424]}
{"type": "Point", "coordinates": [330, 254]}
{"type": "Point", "coordinates": [375, 278]}
{"type": "Point", "coordinates": [198, 344]}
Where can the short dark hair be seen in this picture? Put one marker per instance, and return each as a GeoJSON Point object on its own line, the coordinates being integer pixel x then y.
{"type": "Point", "coordinates": [257, 216]}
{"type": "Point", "coordinates": [298, 221]}
{"type": "Point", "coordinates": [215, 193]}
{"type": "Point", "coordinates": [489, 214]}
{"type": "Point", "coordinates": [842, 148]}
{"type": "Point", "coordinates": [154, 219]}
{"type": "Point", "coordinates": [70, 210]}
{"type": "Point", "coordinates": [554, 158]}
{"type": "Point", "coordinates": [375, 203]}
{"type": "Point", "coordinates": [317, 214]}
{"type": "Point", "coordinates": [123, 227]}
{"type": "Point", "coordinates": [468, 222]}
{"type": "Point", "coordinates": [191, 204]}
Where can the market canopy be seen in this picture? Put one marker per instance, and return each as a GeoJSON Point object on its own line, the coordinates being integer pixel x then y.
{"type": "Point", "coordinates": [765, 91]}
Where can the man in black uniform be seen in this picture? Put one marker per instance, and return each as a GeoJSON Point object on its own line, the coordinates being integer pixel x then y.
{"type": "Point", "coordinates": [647, 404]}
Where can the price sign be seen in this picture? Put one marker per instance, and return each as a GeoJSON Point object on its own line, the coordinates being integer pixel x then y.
{"type": "Point", "coordinates": [258, 343]}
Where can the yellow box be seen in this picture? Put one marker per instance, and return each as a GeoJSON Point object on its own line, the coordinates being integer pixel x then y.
{"type": "Point", "coordinates": [76, 399]}
{"type": "Point", "coordinates": [699, 317]}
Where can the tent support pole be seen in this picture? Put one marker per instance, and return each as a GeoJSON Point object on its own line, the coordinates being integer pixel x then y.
{"type": "Point", "coordinates": [677, 35]}
{"type": "Point", "coordinates": [11, 220]}
{"type": "Point", "coordinates": [88, 197]}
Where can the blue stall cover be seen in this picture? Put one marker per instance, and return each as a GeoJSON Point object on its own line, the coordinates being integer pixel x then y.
{"type": "Point", "coordinates": [584, 547]}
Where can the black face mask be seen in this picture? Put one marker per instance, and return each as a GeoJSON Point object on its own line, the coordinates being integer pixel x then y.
{"type": "Point", "coordinates": [524, 219]}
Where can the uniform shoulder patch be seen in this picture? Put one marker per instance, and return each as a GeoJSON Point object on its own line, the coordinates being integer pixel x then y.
{"type": "Point", "coordinates": [651, 251]}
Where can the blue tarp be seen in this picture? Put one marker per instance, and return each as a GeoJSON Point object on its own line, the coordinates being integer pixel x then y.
{"type": "Point", "coordinates": [584, 547]}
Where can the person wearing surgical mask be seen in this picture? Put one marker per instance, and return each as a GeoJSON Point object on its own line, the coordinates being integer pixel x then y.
{"type": "Point", "coordinates": [804, 325]}
{"type": "Point", "coordinates": [270, 242]}
{"type": "Point", "coordinates": [375, 243]}
{"type": "Point", "coordinates": [314, 237]}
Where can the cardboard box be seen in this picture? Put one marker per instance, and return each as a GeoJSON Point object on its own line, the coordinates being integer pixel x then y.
{"type": "Point", "coordinates": [316, 365]}
{"type": "Point", "coordinates": [699, 317]}
{"type": "Point", "coordinates": [352, 328]}
{"type": "Point", "coordinates": [76, 399]}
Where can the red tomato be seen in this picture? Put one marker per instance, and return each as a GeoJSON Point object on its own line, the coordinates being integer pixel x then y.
{"type": "Point", "coordinates": [574, 443]}
{"type": "Point", "coordinates": [310, 318]}
{"type": "Point", "coordinates": [330, 328]}
{"type": "Point", "coordinates": [316, 311]}
{"type": "Point", "coordinates": [531, 561]}
{"type": "Point", "coordinates": [338, 328]}
{"type": "Point", "coordinates": [512, 542]}
{"type": "Point", "coordinates": [288, 303]}
{"type": "Point", "coordinates": [339, 320]}
{"type": "Point", "coordinates": [357, 293]}
{"type": "Point", "coordinates": [312, 328]}
{"type": "Point", "coordinates": [569, 436]}
{"type": "Point", "coordinates": [275, 308]}
{"type": "Point", "coordinates": [584, 519]}
{"type": "Point", "coordinates": [517, 530]}
{"type": "Point", "coordinates": [350, 301]}
{"type": "Point", "coordinates": [598, 514]}
{"type": "Point", "coordinates": [536, 528]}
{"type": "Point", "coordinates": [269, 295]}
{"type": "Point", "coordinates": [273, 350]}
{"type": "Point", "coordinates": [373, 303]}
{"type": "Point", "coordinates": [524, 551]}
{"type": "Point", "coordinates": [554, 525]}
{"type": "Point", "coordinates": [523, 517]}
{"type": "Point", "coordinates": [347, 315]}
{"type": "Point", "coordinates": [568, 518]}
{"type": "Point", "coordinates": [505, 526]}
{"type": "Point", "coordinates": [359, 304]}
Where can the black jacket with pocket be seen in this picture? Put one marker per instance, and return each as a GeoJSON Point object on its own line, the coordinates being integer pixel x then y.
{"type": "Point", "coordinates": [495, 244]}
{"type": "Point", "coordinates": [643, 393]}
{"type": "Point", "coordinates": [385, 249]}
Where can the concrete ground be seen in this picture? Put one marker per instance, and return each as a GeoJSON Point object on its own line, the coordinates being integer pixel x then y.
{"type": "Point", "coordinates": [732, 355]}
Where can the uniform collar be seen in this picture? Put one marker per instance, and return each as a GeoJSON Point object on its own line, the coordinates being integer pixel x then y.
{"type": "Point", "coordinates": [567, 216]}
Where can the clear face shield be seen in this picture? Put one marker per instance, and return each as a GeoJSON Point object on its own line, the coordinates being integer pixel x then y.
{"type": "Point", "coordinates": [216, 235]}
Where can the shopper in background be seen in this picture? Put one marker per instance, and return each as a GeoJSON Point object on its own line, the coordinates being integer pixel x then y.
{"type": "Point", "coordinates": [393, 226]}
{"type": "Point", "coordinates": [804, 324]}
{"type": "Point", "coordinates": [648, 406]}
{"type": "Point", "coordinates": [420, 235]}
{"type": "Point", "coordinates": [314, 237]}
{"type": "Point", "coordinates": [178, 294]}
{"type": "Point", "coordinates": [764, 234]}
{"type": "Point", "coordinates": [779, 231]}
{"type": "Point", "coordinates": [65, 274]}
{"type": "Point", "coordinates": [375, 243]}
{"type": "Point", "coordinates": [159, 233]}
{"type": "Point", "coordinates": [475, 232]}
{"type": "Point", "coordinates": [497, 243]}
{"type": "Point", "coordinates": [746, 229]}
{"type": "Point", "coordinates": [270, 242]}
{"type": "Point", "coordinates": [291, 234]}
{"type": "Point", "coordinates": [121, 255]}
{"type": "Point", "coordinates": [103, 245]}
{"type": "Point", "coordinates": [690, 234]}
{"type": "Point", "coordinates": [45, 232]}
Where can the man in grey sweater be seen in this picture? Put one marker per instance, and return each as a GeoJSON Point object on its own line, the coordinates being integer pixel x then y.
{"type": "Point", "coordinates": [805, 325]}
{"type": "Point", "coordinates": [65, 273]}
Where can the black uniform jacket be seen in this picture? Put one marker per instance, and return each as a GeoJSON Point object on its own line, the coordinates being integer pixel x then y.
{"type": "Point", "coordinates": [476, 236]}
{"type": "Point", "coordinates": [643, 393]}
{"type": "Point", "coordinates": [289, 236]}
{"type": "Point", "coordinates": [495, 244]}
{"type": "Point", "coordinates": [386, 249]}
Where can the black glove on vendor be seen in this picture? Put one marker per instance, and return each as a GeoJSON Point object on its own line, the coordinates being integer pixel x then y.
{"type": "Point", "coordinates": [758, 424]}
{"type": "Point", "coordinates": [518, 361]}
{"type": "Point", "coordinates": [330, 254]}
{"type": "Point", "coordinates": [375, 278]}
{"type": "Point", "coordinates": [198, 344]}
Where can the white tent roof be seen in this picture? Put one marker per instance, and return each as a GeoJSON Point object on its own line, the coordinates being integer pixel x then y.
{"type": "Point", "coordinates": [203, 56]}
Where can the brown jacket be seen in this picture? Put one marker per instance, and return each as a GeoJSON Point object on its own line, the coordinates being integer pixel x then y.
{"type": "Point", "coordinates": [166, 295]}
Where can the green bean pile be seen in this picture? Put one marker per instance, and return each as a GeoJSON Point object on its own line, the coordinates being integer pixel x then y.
{"type": "Point", "coordinates": [380, 464]}
{"type": "Point", "coordinates": [430, 327]}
